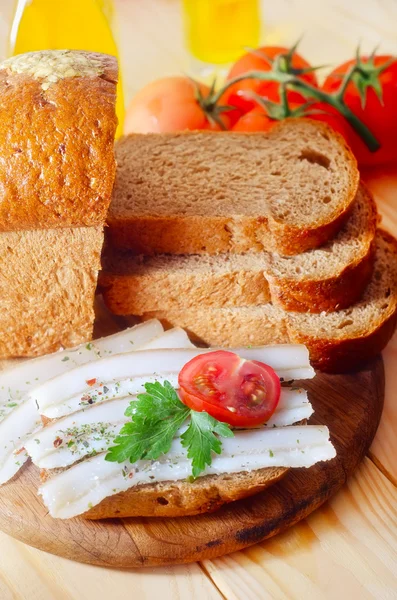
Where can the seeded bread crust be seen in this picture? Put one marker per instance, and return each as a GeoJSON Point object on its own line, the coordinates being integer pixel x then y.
{"type": "Point", "coordinates": [57, 127]}
{"type": "Point", "coordinates": [326, 279]}
{"type": "Point", "coordinates": [190, 193]}
{"type": "Point", "coordinates": [337, 342]}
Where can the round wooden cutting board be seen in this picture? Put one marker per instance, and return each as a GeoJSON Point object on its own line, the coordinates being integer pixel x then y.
{"type": "Point", "coordinates": [350, 405]}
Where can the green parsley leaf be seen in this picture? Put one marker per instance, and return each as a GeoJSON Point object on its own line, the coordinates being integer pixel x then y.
{"type": "Point", "coordinates": [200, 439]}
{"type": "Point", "coordinates": [155, 418]}
{"type": "Point", "coordinates": [158, 403]}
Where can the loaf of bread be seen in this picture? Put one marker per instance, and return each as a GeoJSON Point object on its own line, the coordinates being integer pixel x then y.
{"type": "Point", "coordinates": [57, 127]}
{"type": "Point", "coordinates": [47, 287]}
{"type": "Point", "coordinates": [337, 341]}
{"type": "Point", "coordinates": [324, 279]}
{"type": "Point", "coordinates": [208, 193]}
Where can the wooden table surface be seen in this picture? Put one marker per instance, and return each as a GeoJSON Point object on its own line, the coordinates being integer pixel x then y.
{"type": "Point", "coordinates": [348, 548]}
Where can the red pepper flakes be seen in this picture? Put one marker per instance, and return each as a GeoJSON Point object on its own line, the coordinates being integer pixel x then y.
{"type": "Point", "coordinates": [91, 382]}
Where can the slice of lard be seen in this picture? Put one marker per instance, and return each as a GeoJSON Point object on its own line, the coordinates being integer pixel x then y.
{"type": "Point", "coordinates": [77, 489]}
{"type": "Point", "coordinates": [92, 430]}
{"type": "Point", "coordinates": [126, 374]}
{"type": "Point", "coordinates": [19, 417]}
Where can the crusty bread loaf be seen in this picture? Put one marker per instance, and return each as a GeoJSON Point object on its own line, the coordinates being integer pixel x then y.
{"type": "Point", "coordinates": [328, 278]}
{"type": "Point", "coordinates": [181, 498]}
{"type": "Point", "coordinates": [47, 287]}
{"type": "Point", "coordinates": [57, 126]}
{"type": "Point", "coordinates": [337, 341]}
{"type": "Point", "coordinates": [207, 193]}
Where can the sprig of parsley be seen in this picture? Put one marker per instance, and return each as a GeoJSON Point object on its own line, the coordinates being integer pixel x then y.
{"type": "Point", "coordinates": [156, 417]}
{"type": "Point", "coordinates": [200, 439]}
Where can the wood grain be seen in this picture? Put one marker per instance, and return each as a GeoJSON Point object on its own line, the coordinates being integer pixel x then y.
{"type": "Point", "coordinates": [383, 184]}
{"type": "Point", "coordinates": [48, 577]}
{"type": "Point", "coordinates": [346, 549]}
{"type": "Point", "coordinates": [350, 405]}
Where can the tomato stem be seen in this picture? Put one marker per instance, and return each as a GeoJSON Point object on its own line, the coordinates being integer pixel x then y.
{"type": "Point", "coordinates": [340, 94]}
{"type": "Point", "coordinates": [284, 99]}
{"type": "Point", "coordinates": [311, 92]}
{"type": "Point", "coordinates": [337, 102]}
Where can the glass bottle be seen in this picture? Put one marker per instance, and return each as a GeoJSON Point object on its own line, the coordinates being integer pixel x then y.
{"type": "Point", "coordinates": [218, 31]}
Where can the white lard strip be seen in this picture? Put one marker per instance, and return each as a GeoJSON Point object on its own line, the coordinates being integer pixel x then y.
{"type": "Point", "coordinates": [74, 491]}
{"type": "Point", "coordinates": [130, 371]}
{"type": "Point", "coordinates": [67, 440]}
{"type": "Point", "coordinates": [23, 419]}
{"type": "Point", "coordinates": [17, 381]}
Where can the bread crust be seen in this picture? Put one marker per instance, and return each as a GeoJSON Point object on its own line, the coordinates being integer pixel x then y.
{"type": "Point", "coordinates": [187, 234]}
{"type": "Point", "coordinates": [347, 354]}
{"type": "Point", "coordinates": [58, 166]}
{"type": "Point", "coordinates": [183, 498]}
{"type": "Point", "coordinates": [256, 326]}
{"type": "Point", "coordinates": [342, 356]}
{"type": "Point", "coordinates": [325, 295]}
{"type": "Point", "coordinates": [130, 288]}
{"type": "Point", "coordinates": [138, 294]}
{"type": "Point", "coordinates": [328, 355]}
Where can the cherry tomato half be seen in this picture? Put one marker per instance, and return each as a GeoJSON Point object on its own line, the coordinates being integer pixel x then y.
{"type": "Point", "coordinates": [240, 392]}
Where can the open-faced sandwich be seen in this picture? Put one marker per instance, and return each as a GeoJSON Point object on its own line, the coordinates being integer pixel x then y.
{"type": "Point", "coordinates": [230, 239]}
{"type": "Point", "coordinates": [142, 423]}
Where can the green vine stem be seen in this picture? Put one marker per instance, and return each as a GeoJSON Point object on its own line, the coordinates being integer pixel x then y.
{"type": "Point", "coordinates": [287, 80]}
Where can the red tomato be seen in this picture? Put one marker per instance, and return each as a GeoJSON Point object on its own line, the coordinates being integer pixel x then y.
{"type": "Point", "coordinates": [258, 120]}
{"type": "Point", "coordinates": [240, 392]}
{"type": "Point", "coordinates": [380, 116]}
{"type": "Point", "coordinates": [254, 120]}
{"type": "Point", "coordinates": [240, 94]}
{"type": "Point", "coordinates": [167, 105]}
{"type": "Point", "coordinates": [330, 116]}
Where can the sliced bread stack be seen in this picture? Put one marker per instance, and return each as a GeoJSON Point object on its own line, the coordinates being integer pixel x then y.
{"type": "Point", "coordinates": [252, 239]}
{"type": "Point", "coordinates": [57, 167]}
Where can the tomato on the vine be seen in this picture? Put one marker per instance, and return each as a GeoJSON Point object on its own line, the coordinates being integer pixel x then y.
{"type": "Point", "coordinates": [256, 119]}
{"type": "Point", "coordinates": [378, 112]}
{"type": "Point", "coordinates": [240, 392]}
{"type": "Point", "coordinates": [174, 104]}
{"type": "Point", "coordinates": [241, 93]}
{"type": "Point", "coordinates": [328, 114]}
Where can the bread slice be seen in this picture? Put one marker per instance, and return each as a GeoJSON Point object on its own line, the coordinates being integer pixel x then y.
{"type": "Point", "coordinates": [57, 114]}
{"type": "Point", "coordinates": [47, 288]}
{"type": "Point", "coordinates": [337, 341]}
{"type": "Point", "coordinates": [207, 193]}
{"type": "Point", "coordinates": [181, 498]}
{"type": "Point", "coordinates": [324, 279]}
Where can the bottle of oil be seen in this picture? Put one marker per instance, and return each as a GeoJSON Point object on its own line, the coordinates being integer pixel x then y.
{"type": "Point", "coordinates": [65, 24]}
{"type": "Point", "coordinates": [218, 31]}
